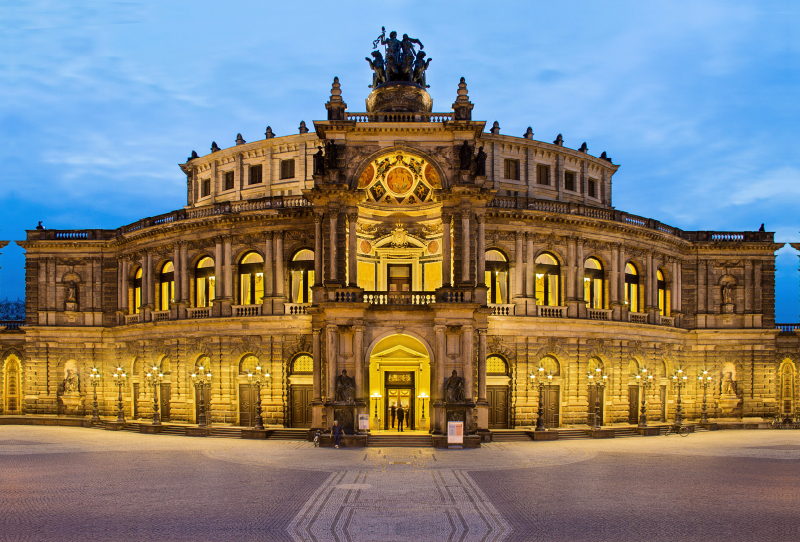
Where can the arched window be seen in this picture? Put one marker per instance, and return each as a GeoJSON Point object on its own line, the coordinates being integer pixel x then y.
{"type": "Point", "coordinates": [662, 293]}
{"type": "Point", "coordinates": [631, 287]}
{"type": "Point", "coordinates": [594, 365]}
{"type": "Point", "coordinates": [547, 273]}
{"type": "Point", "coordinates": [167, 286]}
{"type": "Point", "coordinates": [137, 291]}
{"type": "Point", "coordinates": [251, 279]}
{"type": "Point", "coordinates": [787, 390]}
{"type": "Point", "coordinates": [550, 365]}
{"type": "Point", "coordinates": [302, 276]}
{"type": "Point", "coordinates": [303, 364]}
{"type": "Point", "coordinates": [205, 283]}
{"type": "Point", "coordinates": [593, 284]}
{"type": "Point", "coordinates": [497, 276]}
{"type": "Point", "coordinates": [249, 365]}
{"type": "Point", "coordinates": [12, 391]}
{"type": "Point", "coordinates": [496, 365]}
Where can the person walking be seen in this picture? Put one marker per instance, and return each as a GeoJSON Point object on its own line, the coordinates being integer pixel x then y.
{"type": "Point", "coordinates": [336, 433]}
{"type": "Point", "coordinates": [392, 413]}
{"type": "Point", "coordinates": [401, 414]}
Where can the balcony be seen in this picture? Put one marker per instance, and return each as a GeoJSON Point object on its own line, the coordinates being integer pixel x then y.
{"type": "Point", "coordinates": [637, 317]}
{"type": "Point", "coordinates": [246, 310]}
{"type": "Point", "coordinates": [399, 117]}
{"type": "Point", "coordinates": [198, 312]}
{"type": "Point", "coordinates": [399, 298]}
{"type": "Point", "coordinates": [502, 309]}
{"type": "Point", "coordinates": [295, 309]}
{"type": "Point", "coordinates": [787, 328]}
{"type": "Point", "coordinates": [546, 311]}
{"type": "Point", "coordinates": [599, 314]}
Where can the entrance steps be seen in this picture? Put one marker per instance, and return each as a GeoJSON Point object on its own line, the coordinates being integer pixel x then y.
{"type": "Point", "coordinates": [510, 436]}
{"type": "Point", "coordinates": [288, 434]}
{"type": "Point", "coordinates": [625, 432]}
{"type": "Point", "coordinates": [399, 440]}
{"type": "Point", "coordinates": [572, 434]}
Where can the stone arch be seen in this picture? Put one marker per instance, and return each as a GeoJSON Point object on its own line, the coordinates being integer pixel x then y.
{"type": "Point", "coordinates": [244, 250]}
{"type": "Point", "coordinates": [788, 390]}
{"type": "Point", "coordinates": [497, 365]}
{"type": "Point", "coordinates": [551, 364]}
{"type": "Point", "coordinates": [445, 181]}
{"type": "Point", "coordinates": [12, 392]}
{"type": "Point", "coordinates": [303, 366]}
{"type": "Point", "coordinates": [378, 338]}
{"type": "Point", "coordinates": [555, 253]}
{"type": "Point", "coordinates": [248, 363]}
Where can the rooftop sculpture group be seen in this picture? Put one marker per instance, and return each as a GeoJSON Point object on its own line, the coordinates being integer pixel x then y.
{"type": "Point", "coordinates": [401, 61]}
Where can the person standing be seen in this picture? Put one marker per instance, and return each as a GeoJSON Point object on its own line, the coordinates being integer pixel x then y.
{"type": "Point", "coordinates": [392, 413]}
{"type": "Point", "coordinates": [336, 433]}
{"type": "Point", "coordinates": [401, 414]}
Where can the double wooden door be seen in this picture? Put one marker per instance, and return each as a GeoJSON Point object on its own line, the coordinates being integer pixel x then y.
{"type": "Point", "coordinates": [247, 405]}
{"type": "Point", "coordinates": [164, 401]}
{"type": "Point", "coordinates": [497, 396]}
{"type": "Point", "coordinates": [301, 406]}
{"type": "Point", "coordinates": [135, 400]}
{"type": "Point", "coordinates": [552, 398]}
{"type": "Point", "coordinates": [595, 407]}
{"type": "Point", "coordinates": [633, 405]}
{"type": "Point", "coordinates": [206, 403]}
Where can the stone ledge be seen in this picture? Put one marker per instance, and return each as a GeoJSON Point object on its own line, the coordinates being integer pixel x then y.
{"type": "Point", "coordinates": [470, 441]}
{"type": "Point", "coordinates": [543, 435]}
{"type": "Point", "coordinates": [710, 426]}
{"type": "Point", "coordinates": [150, 429]}
{"type": "Point", "coordinates": [648, 431]}
{"type": "Point", "coordinates": [115, 426]}
{"type": "Point", "coordinates": [197, 431]}
{"type": "Point", "coordinates": [258, 434]}
{"type": "Point", "coordinates": [69, 422]}
{"type": "Point", "coordinates": [347, 441]}
{"type": "Point", "coordinates": [600, 433]}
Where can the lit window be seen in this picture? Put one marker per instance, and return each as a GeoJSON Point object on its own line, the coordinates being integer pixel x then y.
{"type": "Point", "coordinates": [137, 291]}
{"type": "Point", "coordinates": [496, 276]}
{"type": "Point", "coordinates": [547, 271]}
{"type": "Point", "coordinates": [205, 283]}
{"type": "Point", "coordinates": [251, 279]}
{"type": "Point", "coordinates": [662, 294]}
{"type": "Point", "coordinates": [631, 288]}
{"type": "Point", "coordinates": [302, 276]}
{"type": "Point", "coordinates": [167, 280]}
{"type": "Point", "coordinates": [593, 284]}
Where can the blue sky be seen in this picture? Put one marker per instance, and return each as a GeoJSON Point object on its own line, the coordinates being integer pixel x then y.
{"type": "Point", "coordinates": [698, 101]}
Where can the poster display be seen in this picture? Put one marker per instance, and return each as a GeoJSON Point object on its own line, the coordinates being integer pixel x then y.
{"type": "Point", "coordinates": [455, 432]}
{"type": "Point", "coordinates": [363, 422]}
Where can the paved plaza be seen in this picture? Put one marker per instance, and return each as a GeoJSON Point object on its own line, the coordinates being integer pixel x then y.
{"type": "Point", "coordinates": [64, 484]}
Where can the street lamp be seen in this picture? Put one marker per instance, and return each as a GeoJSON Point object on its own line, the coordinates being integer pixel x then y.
{"type": "Point", "coordinates": [200, 380]}
{"type": "Point", "coordinates": [154, 379]}
{"type": "Point", "coordinates": [257, 378]}
{"type": "Point", "coordinates": [539, 410]}
{"type": "Point", "coordinates": [422, 395]}
{"type": "Point", "coordinates": [704, 379]}
{"type": "Point", "coordinates": [645, 380]}
{"type": "Point", "coordinates": [679, 379]}
{"type": "Point", "coordinates": [598, 380]}
{"type": "Point", "coordinates": [120, 377]}
{"type": "Point", "coordinates": [376, 396]}
{"type": "Point", "coordinates": [94, 379]}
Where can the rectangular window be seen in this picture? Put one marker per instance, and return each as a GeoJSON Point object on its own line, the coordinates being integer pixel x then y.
{"type": "Point", "coordinates": [255, 174]}
{"type": "Point", "coordinates": [229, 180]}
{"type": "Point", "coordinates": [287, 169]}
{"type": "Point", "coordinates": [569, 181]}
{"type": "Point", "coordinates": [205, 188]}
{"type": "Point", "coordinates": [512, 169]}
{"type": "Point", "coordinates": [542, 174]}
{"type": "Point", "coordinates": [592, 188]}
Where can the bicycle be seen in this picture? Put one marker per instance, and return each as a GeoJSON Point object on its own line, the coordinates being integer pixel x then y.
{"type": "Point", "coordinates": [681, 430]}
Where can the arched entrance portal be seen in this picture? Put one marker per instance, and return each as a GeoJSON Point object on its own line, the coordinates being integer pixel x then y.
{"type": "Point", "coordinates": [399, 370]}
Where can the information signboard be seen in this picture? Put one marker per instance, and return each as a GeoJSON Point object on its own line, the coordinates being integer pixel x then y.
{"type": "Point", "coordinates": [455, 432]}
{"type": "Point", "coordinates": [363, 422]}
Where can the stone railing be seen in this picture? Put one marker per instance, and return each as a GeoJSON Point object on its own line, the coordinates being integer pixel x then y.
{"type": "Point", "coordinates": [160, 316]}
{"type": "Point", "coordinates": [787, 328]}
{"type": "Point", "coordinates": [547, 311]}
{"type": "Point", "coordinates": [296, 308]}
{"type": "Point", "coordinates": [246, 310]}
{"type": "Point", "coordinates": [502, 309]}
{"type": "Point", "coordinates": [599, 314]}
{"type": "Point", "coordinates": [399, 117]}
{"type": "Point", "coordinates": [399, 298]}
{"type": "Point", "coordinates": [9, 325]}
{"type": "Point", "coordinates": [637, 317]}
{"type": "Point", "coordinates": [668, 321]}
{"type": "Point", "coordinates": [132, 318]}
{"type": "Point", "coordinates": [457, 295]}
{"type": "Point", "coordinates": [193, 313]}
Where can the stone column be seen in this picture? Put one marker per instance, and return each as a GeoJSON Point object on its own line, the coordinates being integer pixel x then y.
{"type": "Point", "coordinates": [466, 361]}
{"type": "Point", "coordinates": [482, 365]}
{"type": "Point", "coordinates": [465, 261]}
{"type": "Point", "coordinates": [358, 353]}
{"type": "Point", "coordinates": [613, 284]}
{"type": "Point", "coordinates": [702, 295]}
{"type": "Point", "coordinates": [758, 301]}
{"type": "Point", "coordinates": [680, 286]}
{"type": "Point", "coordinates": [269, 279]}
{"type": "Point", "coordinates": [519, 289]}
{"type": "Point", "coordinates": [280, 287]}
{"type": "Point", "coordinates": [352, 261]}
{"type": "Point", "coordinates": [228, 268]}
{"type": "Point", "coordinates": [317, 365]}
{"type": "Point", "coordinates": [648, 291]}
{"type": "Point", "coordinates": [530, 269]}
{"type": "Point", "coordinates": [622, 264]}
{"type": "Point", "coordinates": [570, 282]}
{"type": "Point", "coordinates": [334, 220]}
{"type": "Point", "coordinates": [674, 290]}
{"type": "Point", "coordinates": [317, 249]}
{"type": "Point", "coordinates": [177, 274]}
{"type": "Point", "coordinates": [447, 259]}
{"type": "Point", "coordinates": [218, 288]}
{"type": "Point", "coordinates": [332, 351]}
{"type": "Point", "coordinates": [437, 411]}
{"type": "Point", "coordinates": [748, 286]}
{"type": "Point", "coordinates": [125, 285]}
{"type": "Point", "coordinates": [119, 283]}
{"type": "Point", "coordinates": [480, 279]}
{"type": "Point", "coordinates": [185, 273]}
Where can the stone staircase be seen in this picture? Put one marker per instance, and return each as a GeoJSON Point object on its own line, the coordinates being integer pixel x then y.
{"type": "Point", "coordinates": [288, 434]}
{"type": "Point", "coordinates": [399, 440]}
{"type": "Point", "coordinates": [510, 436]}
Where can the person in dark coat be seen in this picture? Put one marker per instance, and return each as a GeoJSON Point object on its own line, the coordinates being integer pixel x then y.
{"type": "Point", "coordinates": [401, 414]}
{"type": "Point", "coordinates": [392, 413]}
{"type": "Point", "coordinates": [336, 433]}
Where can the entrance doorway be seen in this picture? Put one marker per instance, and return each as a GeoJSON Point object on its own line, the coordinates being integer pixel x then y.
{"type": "Point", "coordinates": [206, 403]}
{"type": "Point", "coordinates": [135, 400]}
{"type": "Point", "coordinates": [595, 407]}
{"type": "Point", "coordinates": [633, 404]}
{"type": "Point", "coordinates": [552, 398]}
{"type": "Point", "coordinates": [301, 405]}
{"type": "Point", "coordinates": [497, 396]}
{"type": "Point", "coordinates": [663, 397]}
{"type": "Point", "coordinates": [247, 405]}
{"type": "Point", "coordinates": [165, 397]}
{"type": "Point", "coordinates": [399, 392]}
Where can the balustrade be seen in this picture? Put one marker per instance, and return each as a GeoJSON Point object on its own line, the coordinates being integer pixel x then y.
{"type": "Point", "coordinates": [160, 316]}
{"type": "Point", "coordinates": [399, 298]}
{"type": "Point", "coordinates": [132, 318]}
{"type": "Point", "coordinates": [296, 308]}
{"type": "Point", "coordinates": [787, 328]}
{"type": "Point", "coordinates": [502, 309]}
{"type": "Point", "coordinates": [668, 321]}
{"type": "Point", "coordinates": [198, 312]}
{"type": "Point", "coordinates": [599, 314]}
{"type": "Point", "coordinates": [547, 311]}
{"type": "Point", "coordinates": [637, 317]}
{"type": "Point", "coordinates": [246, 310]}
{"type": "Point", "coordinates": [399, 117]}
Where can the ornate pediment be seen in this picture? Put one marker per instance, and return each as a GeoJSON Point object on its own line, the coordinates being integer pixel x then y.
{"type": "Point", "coordinates": [399, 178]}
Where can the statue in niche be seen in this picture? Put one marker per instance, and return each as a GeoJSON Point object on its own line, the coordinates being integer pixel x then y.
{"type": "Point", "coordinates": [71, 292]}
{"type": "Point", "coordinates": [728, 385]}
{"type": "Point", "coordinates": [378, 67]}
{"type": "Point", "coordinates": [454, 388]}
{"type": "Point", "coordinates": [727, 294]}
{"type": "Point", "coordinates": [319, 162]}
{"type": "Point", "coordinates": [345, 388]}
{"type": "Point", "coordinates": [480, 163]}
{"type": "Point", "coordinates": [71, 383]}
{"type": "Point", "coordinates": [465, 155]}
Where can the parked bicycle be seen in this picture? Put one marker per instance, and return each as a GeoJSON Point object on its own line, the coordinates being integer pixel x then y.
{"type": "Point", "coordinates": [674, 429]}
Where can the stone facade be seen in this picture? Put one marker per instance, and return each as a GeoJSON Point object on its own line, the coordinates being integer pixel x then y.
{"type": "Point", "coordinates": [402, 242]}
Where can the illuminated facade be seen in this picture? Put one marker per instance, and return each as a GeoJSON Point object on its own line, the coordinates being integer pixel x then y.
{"type": "Point", "coordinates": [400, 245]}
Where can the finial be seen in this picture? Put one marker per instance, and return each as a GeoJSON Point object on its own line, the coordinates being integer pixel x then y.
{"type": "Point", "coordinates": [193, 156]}
{"type": "Point", "coordinates": [559, 141]}
{"type": "Point", "coordinates": [584, 148]}
{"type": "Point", "coordinates": [303, 129]}
{"type": "Point", "coordinates": [605, 157]}
{"type": "Point", "coordinates": [462, 87]}
{"type": "Point", "coordinates": [336, 90]}
{"type": "Point", "coordinates": [240, 140]}
{"type": "Point", "coordinates": [528, 133]}
{"type": "Point", "coordinates": [268, 133]}
{"type": "Point", "coordinates": [462, 106]}
{"type": "Point", "coordinates": [214, 147]}
{"type": "Point", "coordinates": [495, 128]}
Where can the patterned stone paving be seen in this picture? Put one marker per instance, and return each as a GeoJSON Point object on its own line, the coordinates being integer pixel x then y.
{"type": "Point", "coordinates": [63, 484]}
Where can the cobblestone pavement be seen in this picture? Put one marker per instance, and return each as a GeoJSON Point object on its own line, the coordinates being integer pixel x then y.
{"type": "Point", "coordinates": [59, 483]}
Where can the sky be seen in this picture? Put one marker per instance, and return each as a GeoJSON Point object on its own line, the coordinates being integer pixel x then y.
{"type": "Point", "coordinates": [698, 101]}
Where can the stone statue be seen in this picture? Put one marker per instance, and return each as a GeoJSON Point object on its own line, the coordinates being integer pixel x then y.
{"type": "Point", "coordinates": [409, 55]}
{"type": "Point", "coordinates": [465, 155]}
{"type": "Point", "coordinates": [71, 383]}
{"type": "Point", "coordinates": [379, 67]}
{"type": "Point", "coordinates": [454, 388]}
{"type": "Point", "coordinates": [393, 55]}
{"type": "Point", "coordinates": [727, 294]}
{"type": "Point", "coordinates": [71, 292]}
{"type": "Point", "coordinates": [728, 385]}
{"type": "Point", "coordinates": [480, 163]}
{"type": "Point", "coordinates": [319, 162]}
{"type": "Point", "coordinates": [420, 65]}
{"type": "Point", "coordinates": [345, 388]}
